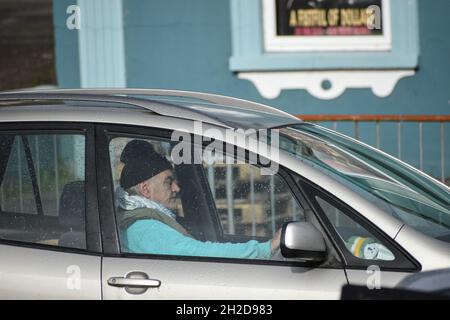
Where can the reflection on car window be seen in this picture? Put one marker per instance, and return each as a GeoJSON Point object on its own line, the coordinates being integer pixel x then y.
{"type": "Point", "coordinates": [358, 241]}
{"type": "Point", "coordinates": [42, 197]}
{"type": "Point", "coordinates": [308, 146]}
{"type": "Point", "coordinates": [254, 204]}
{"type": "Point", "coordinates": [390, 185]}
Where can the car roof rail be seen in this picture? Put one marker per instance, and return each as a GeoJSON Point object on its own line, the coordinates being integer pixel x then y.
{"type": "Point", "coordinates": [156, 107]}
{"type": "Point", "coordinates": [209, 97]}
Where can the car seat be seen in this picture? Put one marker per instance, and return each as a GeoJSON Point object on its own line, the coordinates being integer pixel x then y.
{"type": "Point", "coordinates": [72, 214]}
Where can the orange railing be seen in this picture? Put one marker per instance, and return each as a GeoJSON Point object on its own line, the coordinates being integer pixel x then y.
{"type": "Point", "coordinates": [375, 117]}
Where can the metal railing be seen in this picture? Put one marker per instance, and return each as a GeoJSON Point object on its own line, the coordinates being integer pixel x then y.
{"type": "Point", "coordinates": [439, 120]}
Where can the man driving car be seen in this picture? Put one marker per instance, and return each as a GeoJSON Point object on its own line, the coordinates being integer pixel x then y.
{"type": "Point", "coordinates": [146, 203]}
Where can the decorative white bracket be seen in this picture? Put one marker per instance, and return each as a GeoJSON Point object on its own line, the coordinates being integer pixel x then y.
{"type": "Point", "coordinates": [326, 85]}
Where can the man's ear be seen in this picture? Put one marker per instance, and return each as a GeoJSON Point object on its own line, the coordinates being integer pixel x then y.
{"type": "Point", "coordinates": [144, 189]}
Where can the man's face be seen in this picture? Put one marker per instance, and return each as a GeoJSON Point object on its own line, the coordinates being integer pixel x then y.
{"type": "Point", "coordinates": [161, 188]}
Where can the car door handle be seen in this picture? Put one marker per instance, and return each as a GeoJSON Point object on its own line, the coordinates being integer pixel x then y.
{"type": "Point", "coordinates": [133, 283]}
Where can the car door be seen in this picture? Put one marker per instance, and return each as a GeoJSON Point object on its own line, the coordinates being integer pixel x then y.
{"type": "Point", "coordinates": [49, 229]}
{"type": "Point", "coordinates": [211, 212]}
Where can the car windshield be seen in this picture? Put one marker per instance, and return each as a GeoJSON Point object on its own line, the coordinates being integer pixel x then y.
{"type": "Point", "coordinates": [417, 200]}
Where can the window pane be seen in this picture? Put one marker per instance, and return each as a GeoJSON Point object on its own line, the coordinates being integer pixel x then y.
{"type": "Point", "coordinates": [249, 203]}
{"type": "Point", "coordinates": [161, 208]}
{"type": "Point", "coordinates": [47, 170]}
{"type": "Point", "coordinates": [415, 200]}
{"type": "Point", "coordinates": [16, 189]}
{"type": "Point", "coordinates": [358, 241]}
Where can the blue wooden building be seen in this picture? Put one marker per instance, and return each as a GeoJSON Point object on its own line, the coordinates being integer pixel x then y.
{"type": "Point", "coordinates": [239, 48]}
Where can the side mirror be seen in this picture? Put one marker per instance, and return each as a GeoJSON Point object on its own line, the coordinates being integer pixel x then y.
{"type": "Point", "coordinates": [302, 240]}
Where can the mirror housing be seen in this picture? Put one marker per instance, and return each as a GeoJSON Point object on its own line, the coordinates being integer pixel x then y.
{"type": "Point", "coordinates": [302, 240]}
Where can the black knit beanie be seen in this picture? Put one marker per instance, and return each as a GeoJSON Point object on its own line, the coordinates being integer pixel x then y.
{"type": "Point", "coordinates": [141, 163]}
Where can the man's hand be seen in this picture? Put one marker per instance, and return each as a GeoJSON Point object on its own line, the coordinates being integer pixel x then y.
{"type": "Point", "coordinates": [275, 243]}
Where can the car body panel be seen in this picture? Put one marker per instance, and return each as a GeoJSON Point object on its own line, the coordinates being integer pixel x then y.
{"type": "Point", "coordinates": [228, 280]}
{"type": "Point", "coordinates": [30, 273]}
{"type": "Point", "coordinates": [373, 278]}
{"type": "Point", "coordinates": [431, 253]}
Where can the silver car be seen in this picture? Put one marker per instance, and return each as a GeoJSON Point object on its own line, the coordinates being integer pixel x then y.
{"type": "Point", "coordinates": [349, 214]}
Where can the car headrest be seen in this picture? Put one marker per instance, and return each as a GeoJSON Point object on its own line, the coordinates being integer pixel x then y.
{"type": "Point", "coordinates": [72, 205]}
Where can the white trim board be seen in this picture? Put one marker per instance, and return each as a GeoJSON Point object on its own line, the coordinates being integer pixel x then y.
{"type": "Point", "coordinates": [270, 84]}
{"type": "Point", "coordinates": [101, 44]}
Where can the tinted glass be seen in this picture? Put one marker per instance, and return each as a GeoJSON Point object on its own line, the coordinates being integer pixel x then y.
{"type": "Point", "coordinates": [414, 199]}
{"type": "Point", "coordinates": [163, 208]}
{"type": "Point", "coordinates": [249, 203]}
{"type": "Point", "coordinates": [42, 196]}
{"type": "Point", "coordinates": [358, 241]}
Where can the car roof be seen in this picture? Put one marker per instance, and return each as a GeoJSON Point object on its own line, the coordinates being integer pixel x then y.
{"type": "Point", "coordinates": [219, 110]}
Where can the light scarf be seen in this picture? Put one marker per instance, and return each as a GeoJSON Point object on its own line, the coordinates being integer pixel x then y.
{"type": "Point", "coordinates": [128, 202]}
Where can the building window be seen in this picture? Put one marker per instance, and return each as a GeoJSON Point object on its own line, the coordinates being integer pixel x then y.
{"type": "Point", "coordinates": [261, 42]}
{"type": "Point", "coordinates": [327, 25]}
{"type": "Point", "coordinates": [304, 44]}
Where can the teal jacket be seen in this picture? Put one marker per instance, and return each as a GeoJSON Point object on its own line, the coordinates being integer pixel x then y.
{"type": "Point", "coordinates": [154, 237]}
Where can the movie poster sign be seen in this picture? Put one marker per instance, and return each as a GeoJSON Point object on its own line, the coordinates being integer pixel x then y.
{"type": "Point", "coordinates": [329, 17]}
{"type": "Point", "coordinates": [299, 25]}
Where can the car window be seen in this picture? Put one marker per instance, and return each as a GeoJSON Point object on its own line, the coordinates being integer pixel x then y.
{"type": "Point", "coordinates": [358, 241]}
{"type": "Point", "coordinates": [407, 195]}
{"type": "Point", "coordinates": [248, 202]}
{"type": "Point", "coordinates": [163, 207]}
{"type": "Point", "coordinates": [42, 189]}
